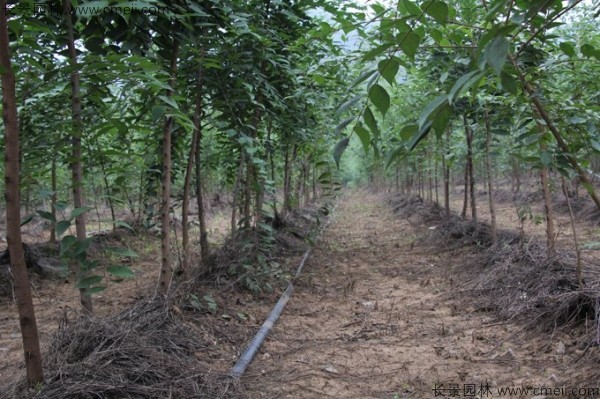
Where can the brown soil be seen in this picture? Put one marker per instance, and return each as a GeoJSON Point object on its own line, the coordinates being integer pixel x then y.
{"type": "Point", "coordinates": [373, 317]}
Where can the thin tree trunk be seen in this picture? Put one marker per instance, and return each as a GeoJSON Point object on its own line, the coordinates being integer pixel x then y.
{"type": "Point", "coordinates": [490, 181]}
{"type": "Point", "coordinates": [204, 249]}
{"type": "Point", "coordinates": [516, 177]}
{"type": "Point", "coordinates": [446, 169]}
{"type": "Point", "coordinates": [579, 268]}
{"type": "Point", "coordinates": [236, 190]}
{"type": "Point", "coordinates": [166, 269]}
{"type": "Point", "coordinates": [185, 206]}
{"type": "Point", "coordinates": [76, 166]}
{"type": "Point", "coordinates": [53, 199]}
{"type": "Point", "coordinates": [272, 167]}
{"type": "Point", "coordinates": [548, 208]}
{"type": "Point", "coordinates": [314, 182]}
{"type": "Point", "coordinates": [108, 191]}
{"type": "Point", "coordinates": [469, 133]}
{"type": "Point", "coordinates": [305, 184]}
{"type": "Point", "coordinates": [435, 175]}
{"type": "Point", "coordinates": [466, 199]}
{"type": "Point", "coordinates": [27, 321]}
{"type": "Point", "coordinates": [286, 184]}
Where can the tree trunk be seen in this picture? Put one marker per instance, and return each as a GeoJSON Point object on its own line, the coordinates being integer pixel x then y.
{"type": "Point", "coordinates": [469, 133]}
{"type": "Point", "coordinates": [579, 267]}
{"type": "Point", "coordinates": [236, 191]}
{"type": "Point", "coordinates": [516, 177]}
{"type": "Point", "coordinates": [204, 249]}
{"type": "Point", "coordinates": [108, 191]}
{"type": "Point", "coordinates": [435, 175]}
{"type": "Point", "coordinates": [446, 169]}
{"type": "Point", "coordinates": [53, 199]}
{"type": "Point", "coordinates": [286, 184]}
{"type": "Point", "coordinates": [76, 166]}
{"type": "Point", "coordinates": [27, 321]}
{"type": "Point", "coordinates": [548, 208]}
{"type": "Point", "coordinates": [185, 206]}
{"type": "Point", "coordinates": [490, 181]}
{"type": "Point", "coordinates": [166, 269]}
{"type": "Point", "coordinates": [463, 214]}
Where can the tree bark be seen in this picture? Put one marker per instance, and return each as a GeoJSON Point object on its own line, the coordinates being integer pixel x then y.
{"type": "Point", "coordinates": [469, 133]}
{"type": "Point", "coordinates": [548, 208]}
{"type": "Point", "coordinates": [286, 183]}
{"type": "Point", "coordinates": [185, 229]}
{"type": "Point", "coordinates": [204, 250]}
{"type": "Point", "coordinates": [27, 321]}
{"type": "Point", "coordinates": [466, 196]}
{"type": "Point", "coordinates": [446, 169]}
{"type": "Point", "coordinates": [166, 269]}
{"type": "Point", "coordinates": [490, 181]}
{"type": "Point", "coordinates": [76, 166]}
{"type": "Point", "coordinates": [53, 199]}
{"type": "Point", "coordinates": [579, 268]}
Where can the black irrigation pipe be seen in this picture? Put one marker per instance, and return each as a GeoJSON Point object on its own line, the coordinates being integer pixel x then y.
{"type": "Point", "coordinates": [240, 367]}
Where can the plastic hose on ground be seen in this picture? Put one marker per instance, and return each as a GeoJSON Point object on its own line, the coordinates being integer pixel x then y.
{"type": "Point", "coordinates": [240, 367]}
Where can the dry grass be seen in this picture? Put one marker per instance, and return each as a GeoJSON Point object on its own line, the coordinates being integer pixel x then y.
{"type": "Point", "coordinates": [514, 276]}
{"type": "Point", "coordinates": [147, 351]}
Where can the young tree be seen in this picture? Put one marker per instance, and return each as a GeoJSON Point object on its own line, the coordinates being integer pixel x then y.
{"type": "Point", "coordinates": [27, 321]}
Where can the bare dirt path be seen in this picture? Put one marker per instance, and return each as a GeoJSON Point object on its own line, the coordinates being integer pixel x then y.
{"type": "Point", "coordinates": [373, 317]}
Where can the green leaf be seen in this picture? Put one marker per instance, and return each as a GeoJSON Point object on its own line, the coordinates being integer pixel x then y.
{"type": "Point", "coordinates": [568, 49]}
{"type": "Point", "coordinates": [371, 122]}
{"type": "Point", "coordinates": [464, 83]}
{"type": "Point", "coordinates": [67, 243]}
{"type": "Point", "coordinates": [125, 252]}
{"type": "Point", "coordinates": [363, 76]}
{"type": "Point", "coordinates": [408, 131]}
{"type": "Point", "coordinates": [27, 219]}
{"type": "Point", "coordinates": [436, 9]}
{"type": "Point", "coordinates": [364, 136]}
{"type": "Point", "coordinates": [407, 7]}
{"type": "Point", "coordinates": [122, 223]}
{"type": "Point", "coordinates": [546, 158]}
{"type": "Point", "coordinates": [588, 50]}
{"type": "Point", "coordinates": [431, 110]}
{"type": "Point", "coordinates": [595, 145]}
{"type": "Point", "coordinates": [169, 101]}
{"type": "Point", "coordinates": [420, 135]}
{"type": "Point", "coordinates": [348, 104]}
{"type": "Point", "coordinates": [343, 124]}
{"type": "Point", "coordinates": [87, 282]}
{"type": "Point", "coordinates": [339, 149]}
{"type": "Point", "coordinates": [496, 53]}
{"type": "Point", "coordinates": [377, 51]}
{"type": "Point", "coordinates": [62, 226]}
{"type": "Point", "coordinates": [441, 119]}
{"type": "Point", "coordinates": [120, 271]}
{"type": "Point", "coordinates": [509, 83]}
{"type": "Point", "coordinates": [380, 98]}
{"type": "Point", "coordinates": [46, 215]}
{"type": "Point", "coordinates": [400, 150]}
{"type": "Point", "coordinates": [409, 43]}
{"type": "Point", "coordinates": [79, 211]}
{"type": "Point", "coordinates": [388, 69]}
